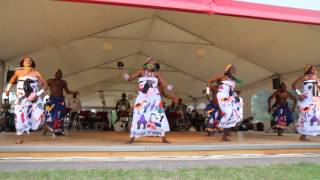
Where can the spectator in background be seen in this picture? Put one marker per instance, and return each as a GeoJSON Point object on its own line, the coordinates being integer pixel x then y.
{"type": "Point", "coordinates": [75, 107]}
{"type": "Point", "coordinates": [123, 106]}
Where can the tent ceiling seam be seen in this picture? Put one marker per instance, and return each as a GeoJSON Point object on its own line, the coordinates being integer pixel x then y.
{"type": "Point", "coordinates": [75, 39]}
{"type": "Point", "coordinates": [215, 45]}
{"type": "Point", "coordinates": [95, 66]}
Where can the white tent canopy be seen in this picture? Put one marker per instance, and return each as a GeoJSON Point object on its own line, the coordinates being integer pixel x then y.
{"type": "Point", "coordinates": [87, 40]}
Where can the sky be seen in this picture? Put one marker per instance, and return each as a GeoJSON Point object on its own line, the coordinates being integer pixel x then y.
{"type": "Point", "coordinates": [302, 4]}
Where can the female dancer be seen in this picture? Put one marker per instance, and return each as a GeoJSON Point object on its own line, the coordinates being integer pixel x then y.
{"type": "Point", "coordinates": [28, 107]}
{"type": "Point", "coordinates": [309, 104]}
{"type": "Point", "coordinates": [149, 118]}
{"type": "Point", "coordinates": [227, 99]}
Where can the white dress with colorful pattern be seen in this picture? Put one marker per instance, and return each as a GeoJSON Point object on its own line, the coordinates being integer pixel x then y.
{"type": "Point", "coordinates": [309, 115]}
{"type": "Point", "coordinates": [149, 117]}
{"type": "Point", "coordinates": [27, 114]}
{"type": "Point", "coordinates": [228, 104]}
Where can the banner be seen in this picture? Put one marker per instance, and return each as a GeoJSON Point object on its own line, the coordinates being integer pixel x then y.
{"type": "Point", "coordinates": [303, 11]}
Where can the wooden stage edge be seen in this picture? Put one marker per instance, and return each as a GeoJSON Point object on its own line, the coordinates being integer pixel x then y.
{"type": "Point", "coordinates": [112, 144]}
{"type": "Point", "coordinates": [154, 154]}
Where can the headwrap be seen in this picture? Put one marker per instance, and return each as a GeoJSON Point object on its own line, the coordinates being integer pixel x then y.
{"type": "Point", "coordinates": [228, 68]}
{"type": "Point", "coordinates": [226, 71]}
{"type": "Point", "coordinates": [307, 68]}
{"type": "Point", "coordinates": [150, 59]}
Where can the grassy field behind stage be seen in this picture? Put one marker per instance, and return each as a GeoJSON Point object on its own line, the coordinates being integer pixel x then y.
{"type": "Point", "coordinates": [295, 171]}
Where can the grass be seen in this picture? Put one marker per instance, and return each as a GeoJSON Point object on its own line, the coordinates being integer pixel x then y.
{"type": "Point", "coordinates": [295, 171]}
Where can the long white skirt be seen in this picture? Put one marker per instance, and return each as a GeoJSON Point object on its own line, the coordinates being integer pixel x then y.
{"type": "Point", "coordinates": [309, 117]}
{"type": "Point", "coordinates": [28, 115]}
{"type": "Point", "coordinates": [149, 118]}
{"type": "Point", "coordinates": [230, 108]}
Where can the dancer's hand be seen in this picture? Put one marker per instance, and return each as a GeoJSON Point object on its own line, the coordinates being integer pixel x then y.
{"type": "Point", "coordinates": [126, 76]}
{"type": "Point", "coordinates": [32, 96]}
{"type": "Point", "coordinates": [302, 97]}
{"type": "Point", "coordinates": [222, 113]}
{"type": "Point", "coordinates": [169, 87]}
{"type": "Point", "coordinates": [7, 93]}
{"type": "Point", "coordinates": [292, 109]}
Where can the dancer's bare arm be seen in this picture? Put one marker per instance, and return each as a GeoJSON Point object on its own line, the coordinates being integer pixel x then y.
{"type": "Point", "coordinates": [161, 80]}
{"type": "Point", "coordinates": [167, 95]}
{"type": "Point", "coordinates": [42, 80]}
{"type": "Point", "coordinates": [11, 82]}
{"type": "Point", "coordinates": [67, 90]}
{"type": "Point", "coordinates": [295, 86]}
{"type": "Point", "coordinates": [135, 75]}
{"type": "Point", "coordinates": [215, 79]}
{"type": "Point", "coordinates": [273, 95]}
{"type": "Point", "coordinates": [294, 101]}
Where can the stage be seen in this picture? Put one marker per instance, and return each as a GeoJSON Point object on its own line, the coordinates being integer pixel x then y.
{"type": "Point", "coordinates": [113, 144]}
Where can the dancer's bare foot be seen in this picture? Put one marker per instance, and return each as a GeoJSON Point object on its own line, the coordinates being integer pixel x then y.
{"type": "Point", "coordinates": [303, 138]}
{"type": "Point", "coordinates": [19, 141]}
{"type": "Point", "coordinates": [225, 139]}
{"type": "Point", "coordinates": [165, 140]}
{"type": "Point", "coordinates": [44, 132]}
{"type": "Point", "coordinates": [279, 132]}
{"type": "Point", "coordinates": [131, 140]}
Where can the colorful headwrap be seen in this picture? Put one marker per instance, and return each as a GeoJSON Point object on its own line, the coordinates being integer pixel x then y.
{"type": "Point", "coordinates": [149, 59]}
{"type": "Point", "coordinates": [307, 68]}
{"type": "Point", "coordinates": [228, 68]}
{"type": "Point", "coordinates": [226, 71]}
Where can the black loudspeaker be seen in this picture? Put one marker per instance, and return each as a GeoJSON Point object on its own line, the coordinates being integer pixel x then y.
{"type": "Point", "coordinates": [276, 83]}
{"type": "Point", "coordinates": [157, 67]}
{"type": "Point", "coordinates": [9, 75]}
{"type": "Point", "coordinates": [120, 64]}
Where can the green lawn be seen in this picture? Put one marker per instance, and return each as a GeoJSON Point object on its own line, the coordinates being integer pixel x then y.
{"type": "Point", "coordinates": [297, 171]}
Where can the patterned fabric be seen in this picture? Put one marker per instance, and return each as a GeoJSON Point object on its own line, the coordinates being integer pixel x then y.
{"type": "Point", "coordinates": [149, 118]}
{"type": "Point", "coordinates": [55, 112]}
{"type": "Point", "coordinates": [28, 114]}
{"type": "Point", "coordinates": [282, 116]}
{"type": "Point", "coordinates": [309, 116]}
{"type": "Point", "coordinates": [213, 117]}
{"type": "Point", "coordinates": [228, 104]}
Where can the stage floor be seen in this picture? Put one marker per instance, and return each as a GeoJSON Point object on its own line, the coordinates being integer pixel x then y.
{"type": "Point", "coordinates": [178, 138]}
{"type": "Point", "coordinates": [110, 144]}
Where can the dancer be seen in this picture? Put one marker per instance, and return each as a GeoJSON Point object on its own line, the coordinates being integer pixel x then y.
{"type": "Point", "coordinates": [55, 123]}
{"type": "Point", "coordinates": [28, 107]}
{"type": "Point", "coordinates": [309, 103]}
{"type": "Point", "coordinates": [149, 118]}
{"type": "Point", "coordinates": [227, 99]}
{"type": "Point", "coordinates": [280, 109]}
